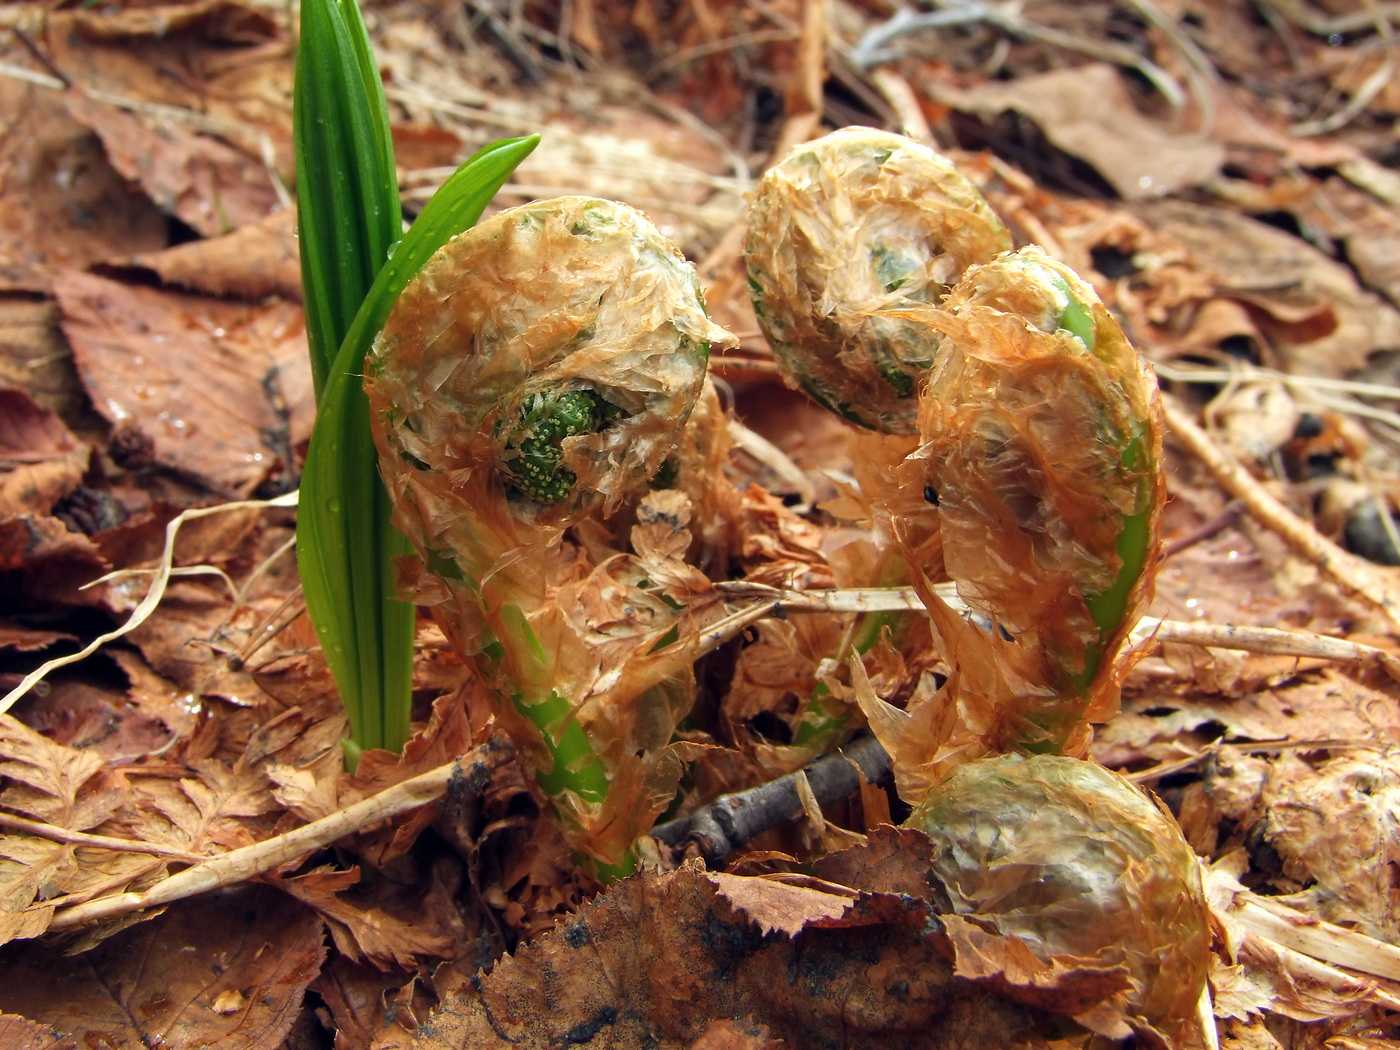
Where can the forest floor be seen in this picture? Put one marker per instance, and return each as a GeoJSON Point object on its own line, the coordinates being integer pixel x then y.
{"type": "Point", "coordinates": [1225, 174]}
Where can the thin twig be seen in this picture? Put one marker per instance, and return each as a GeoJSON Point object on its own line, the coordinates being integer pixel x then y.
{"type": "Point", "coordinates": [1351, 573]}
{"type": "Point", "coordinates": [82, 838]}
{"type": "Point", "coordinates": [1268, 641]}
{"type": "Point", "coordinates": [777, 461]}
{"type": "Point", "coordinates": [248, 862]}
{"type": "Point", "coordinates": [148, 604]}
{"type": "Point", "coordinates": [718, 829]}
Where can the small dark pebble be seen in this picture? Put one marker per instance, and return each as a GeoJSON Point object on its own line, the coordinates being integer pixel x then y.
{"type": "Point", "coordinates": [1366, 535]}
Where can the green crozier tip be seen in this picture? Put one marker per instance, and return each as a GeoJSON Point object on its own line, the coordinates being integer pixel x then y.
{"type": "Point", "coordinates": [901, 382]}
{"type": "Point", "coordinates": [1108, 607]}
{"type": "Point", "coordinates": [547, 418]}
{"type": "Point", "coordinates": [1077, 318]}
{"type": "Point", "coordinates": [576, 766]}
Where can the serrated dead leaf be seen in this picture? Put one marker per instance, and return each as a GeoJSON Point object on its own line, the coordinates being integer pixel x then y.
{"type": "Point", "coordinates": [158, 984]}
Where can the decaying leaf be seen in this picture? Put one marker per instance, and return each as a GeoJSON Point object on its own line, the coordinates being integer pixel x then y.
{"type": "Point", "coordinates": [871, 970]}
{"type": "Point", "coordinates": [1317, 319]}
{"type": "Point", "coordinates": [1088, 112]}
{"type": "Point", "coordinates": [183, 378]}
{"type": "Point", "coordinates": [62, 202]}
{"type": "Point", "coordinates": [230, 967]}
{"type": "Point", "coordinates": [40, 459]}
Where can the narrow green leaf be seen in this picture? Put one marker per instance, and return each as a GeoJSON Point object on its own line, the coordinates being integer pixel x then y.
{"type": "Point", "coordinates": [347, 191]}
{"type": "Point", "coordinates": [456, 205]}
{"type": "Point", "coordinates": [348, 218]}
{"type": "Point", "coordinates": [345, 542]}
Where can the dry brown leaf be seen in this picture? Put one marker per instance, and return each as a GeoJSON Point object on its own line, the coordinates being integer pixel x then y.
{"type": "Point", "coordinates": [29, 639]}
{"type": "Point", "coordinates": [207, 185]}
{"type": "Point", "coordinates": [1337, 829]}
{"type": "Point", "coordinates": [40, 459]}
{"type": "Point", "coordinates": [254, 261]}
{"type": "Point", "coordinates": [1318, 320]}
{"type": "Point", "coordinates": [356, 995]}
{"type": "Point", "coordinates": [221, 65]}
{"type": "Point", "coordinates": [55, 785]}
{"type": "Point", "coordinates": [43, 564]}
{"type": "Point", "coordinates": [387, 925]}
{"type": "Point", "coordinates": [61, 202]}
{"type": "Point", "coordinates": [727, 1034]}
{"type": "Point", "coordinates": [780, 906]}
{"type": "Point", "coordinates": [878, 974]}
{"type": "Point", "coordinates": [1088, 113]}
{"type": "Point", "coordinates": [20, 1034]}
{"type": "Point", "coordinates": [184, 379]}
{"type": "Point", "coordinates": [93, 715]}
{"type": "Point", "coordinates": [168, 982]}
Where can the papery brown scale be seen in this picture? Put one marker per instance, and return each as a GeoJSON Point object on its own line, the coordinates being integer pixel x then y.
{"type": "Point", "coordinates": [1073, 861]}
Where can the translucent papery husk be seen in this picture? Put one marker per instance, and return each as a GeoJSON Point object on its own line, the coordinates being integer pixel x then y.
{"type": "Point", "coordinates": [1041, 463]}
{"type": "Point", "coordinates": [843, 231]}
{"type": "Point", "coordinates": [575, 309]}
{"type": "Point", "coordinates": [1085, 870]}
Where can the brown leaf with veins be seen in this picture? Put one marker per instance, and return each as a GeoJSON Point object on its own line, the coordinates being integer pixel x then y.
{"type": "Point", "coordinates": [254, 261]}
{"type": "Point", "coordinates": [40, 459]}
{"type": "Point", "coordinates": [221, 66]}
{"type": "Point", "coordinates": [230, 968]}
{"type": "Point", "coordinates": [1317, 319]}
{"type": "Point", "coordinates": [46, 782]}
{"type": "Point", "coordinates": [207, 185]}
{"type": "Point", "coordinates": [386, 924]}
{"type": "Point", "coordinates": [61, 201]}
{"type": "Point", "coordinates": [183, 378]}
{"type": "Point", "coordinates": [20, 1034]}
{"type": "Point", "coordinates": [43, 564]}
{"type": "Point", "coordinates": [872, 967]}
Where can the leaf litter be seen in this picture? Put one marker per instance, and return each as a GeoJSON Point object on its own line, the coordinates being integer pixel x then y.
{"type": "Point", "coordinates": [152, 800]}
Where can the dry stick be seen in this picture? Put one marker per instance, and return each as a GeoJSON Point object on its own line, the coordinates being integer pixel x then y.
{"type": "Point", "coordinates": [1351, 573]}
{"type": "Point", "coordinates": [716, 830]}
{"type": "Point", "coordinates": [247, 862]}
{"type": "Point", "coordinates": [82, 838]}
{"type": "Point", "coordinates": [1269, 641]}
{"type": "Point", "coordinates": [900, 95]}
{"type": "Point", "coordinates": [1300, 933]}
{"type": "Point", "coordinates": [147, 605]}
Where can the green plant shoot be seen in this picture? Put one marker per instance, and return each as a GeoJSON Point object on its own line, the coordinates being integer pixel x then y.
{"type": "Point", "coordinates": [354, 265]}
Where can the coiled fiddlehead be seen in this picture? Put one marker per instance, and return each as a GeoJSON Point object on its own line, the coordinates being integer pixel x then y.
{"type": "Point", "coordinates": [1074, 862]}
{"type": "Point", "coordinates": [845, 232]}
{"type": "Point", "coordinates": [539, 371]}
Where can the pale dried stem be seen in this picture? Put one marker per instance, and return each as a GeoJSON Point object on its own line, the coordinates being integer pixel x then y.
{"type": "Point", "coordinates": [1349, 572]}
{"type": "Point", "coordinates": [777, 461]}
{"type": "Point", "coordinates": [161, 579]}
{"type": "Point", "coordinates": [1268, 641]}
{"type": "Point", "coordinates": [905, 103]}
{"type": "Point", "coordinates": [81, 838]}
{"type": "Point", "coordinates": [1308, 944]}
{"type": "Point", "coordinates": [248, 862]}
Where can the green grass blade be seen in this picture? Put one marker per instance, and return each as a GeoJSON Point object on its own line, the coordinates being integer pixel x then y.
{"type": "Point", "coordinates": [345, 542]}
{"type": "Point", "coordinates": [347, 191]}
{"type": "Point", "coordinates": [456, 205]}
